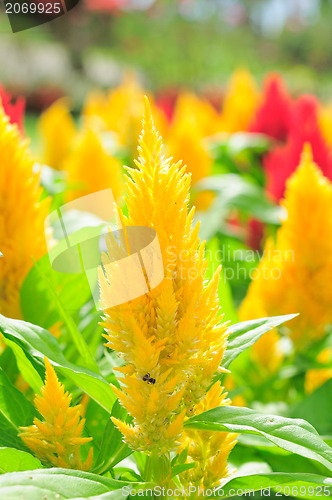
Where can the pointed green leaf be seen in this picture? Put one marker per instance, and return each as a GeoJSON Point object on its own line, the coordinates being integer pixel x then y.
{"type": "Point", "coordinates": [245, 334]}
{"type": "Point", "coordinates": [40, 343]}
{"type": "Point", "coordinates": [12, 460]}
{"type": "Point", "coordinates": [296, 436]}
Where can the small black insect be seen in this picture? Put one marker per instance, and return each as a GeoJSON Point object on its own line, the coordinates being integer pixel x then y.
{"type": "Point", "coordinates": [147, 378]}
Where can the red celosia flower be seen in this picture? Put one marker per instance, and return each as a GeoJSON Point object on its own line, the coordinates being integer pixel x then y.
{"type": "Point", "coordinates": [304, 127]}
{"type": "Point", "coordinates": [166, 101]}
{"type": "Point", "coordinates": [273, 117]}
{"type": "Point", "coordinates": [107, 5]}
{"type": "Point", "coordinates": [15, 111]}
{"type": "Point", "coordinates": [255, 235]}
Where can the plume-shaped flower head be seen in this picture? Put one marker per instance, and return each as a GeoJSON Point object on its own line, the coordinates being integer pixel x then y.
{"type": "Point", "coordinates": [209, 450]}
{"type": "Point", "coordinates": [283, 160]}
{"type": "Point", "coordinates": [120, 111]}
{"type": "Point", "coordinates": [240, 103]}
{"type": "Point", "coordinates": [57, 438]}
{"type": "Point", "coordinates": [22, 215]}
{"type": "Point", "coordinates": [295, 273]}
{"type": "Point", "coordinates": [15, 110]}
{"type": "Point", "coordinates": [171, 339]}
{"type": "Point", "coordinates": [92, 168]}
{"type": "Point", "coordinates": [274, 114]}
{"type": "Point", "coordinates": [57, 131]}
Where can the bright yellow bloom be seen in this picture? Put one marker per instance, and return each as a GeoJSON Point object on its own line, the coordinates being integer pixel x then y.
{"type": "Point", "coordinates": [57, 439]}
{"type": "Point", "coordinates": [120, 111]}
{"type": "Point", "coordinates": [57, 131]}
{"type": "Point", "coordinates": [194, 119]}
{"type": "Point", "coordinates": [240, 103]}
{"type": "Point", "coordinates": [185, 142]}
{"type": "Point", "coordinates": [295, 273]}
{"type": "Point", "coordinates": [209, 449]}
{"type": "Point", "coordinates": [173, 334]}
{"type": "Point", "coordinates": [199, 111]}
{"type": "Point", "coordinates": [325, 123]}
{"type": "Point", "coordinates": [317, 377]}
{"type": "Point", "coordinates": [22, 216]}
{"type": "Point", "coordinates": [91, 168]}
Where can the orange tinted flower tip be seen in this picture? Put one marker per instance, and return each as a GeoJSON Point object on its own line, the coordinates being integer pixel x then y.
{"type": "Point", "coordinates": [306, 156]}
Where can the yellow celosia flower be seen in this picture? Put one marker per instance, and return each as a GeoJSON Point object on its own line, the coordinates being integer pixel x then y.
{"type": "Point", "coordinates": [22, 216]}
{"type": "Point", "coordinates": [199, 111]}
{"type": "Point", "coordinates": [120, 111]}
{"type": "Point", "coordinates": [295, 273]}
{"type": "Point", "coordinates": [57, 439]}
{"type": "Point", "coordinates": [325, 123]}
{"type": "Point", "coordinates": [172, 334]}
{"type": "Point", "coordinates": [185, 142]}
{"type": "Point", "coordinates": [209, 450]}
{"type": "Point", "coordinates": [317, 377]}
{"type": "Point", "coordinates": [57, 131]}
{"type": "Point", "coordinates": [91, 168]}
{"type": "Point", "coordinates": [240, 103]}
{"type": "Point", "coordinates": [194, 119]}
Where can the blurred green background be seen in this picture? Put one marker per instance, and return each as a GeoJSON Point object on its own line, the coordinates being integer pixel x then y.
{"type": "Point", "coordinates": [171, 44]}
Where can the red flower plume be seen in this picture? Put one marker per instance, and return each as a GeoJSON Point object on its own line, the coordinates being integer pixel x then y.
{"type": "Point", "coordinates": [273, 117]}
{"type": "Point", "coordinates": [283, 161]}
{"type": "Point", "coordinates": [15, 111]}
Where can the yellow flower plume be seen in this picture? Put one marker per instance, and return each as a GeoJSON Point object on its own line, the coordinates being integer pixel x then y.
{"type": "Point", "coordinates": [185, 142]}
{"type": "Point", "coordinates": [120, 111]}
{"type": "Point", "coordinates": [57, 439]}
{"type": "Point", "coordinates": [173, 334]}
{"type": "Point", "coordinates": [91, 168]}
{"type": "Point", "coordinates": [57, 131]}
{"type": "Point", "coordinates": [295, 273]}
{"type": "Point", "coordinates": [209, 450]}
{"type": "Point", "coordinates": [240, 103]}
{"type": "Point", "coordinates": [22, 216]}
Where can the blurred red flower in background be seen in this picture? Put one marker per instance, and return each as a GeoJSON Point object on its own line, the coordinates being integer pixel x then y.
{"type": "Point", "coordinates": [273, 116]}
{"type": "Point", "coordinates": [106, 5]}
{"type": "Point", "coordinates": [15, 110]}
{"type": "Point", "coordinates": [283, 160]}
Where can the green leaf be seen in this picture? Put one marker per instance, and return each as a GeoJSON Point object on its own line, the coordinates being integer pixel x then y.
{"type": "Point", "coordinates": [37, 302]}
{"type": "Point", "coordinates": [224, 289]}
{"type": "Point", "coordinates": [26, 368]}
{"type": "Point", "coordinates": [289, 484]}
{"type": "Point", "coordinates": [72, 329]}
{"type": "Point", "coordinates": [112, 449]}
{"type": "Point", "coordinates": [241, 142]}
{"type": "Point", "coordinates": [234, 192]}
{"type": "Point", "coordinates": [177, 469]}
{"type": "Point", "coordinates": [13, 405]}
{"type": "Point", "coordinates": [15, 410]}
{"type": "Point", "coordinates": [9, 435]}
{"type": "Point", "coordinates": [296, 436]}
{"type": "Point", "coordinates": [12, 460]}
{"type": "Point", "coordinates": [58, 484]}
{"type": "Point", "coordinates": [317, 408]}
{"type": "Point", "coordinates": [39, 343]}
{"type": "Point", "coordinates": [245, 334]}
